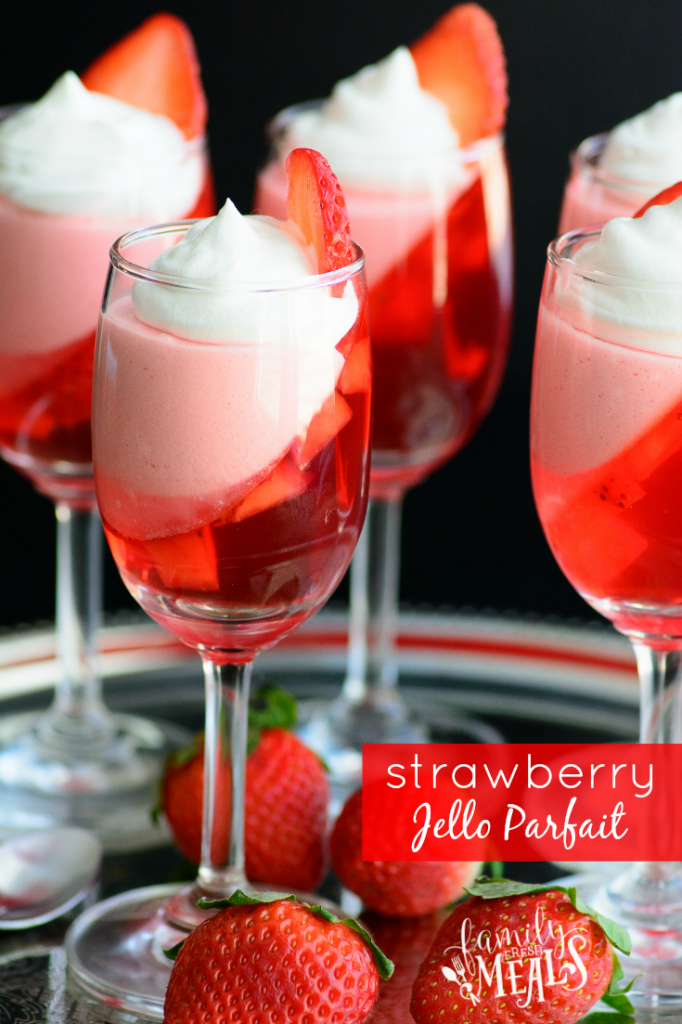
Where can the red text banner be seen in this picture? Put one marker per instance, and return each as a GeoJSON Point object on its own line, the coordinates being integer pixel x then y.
{"type": "Point", "coordinates": [504, 802]}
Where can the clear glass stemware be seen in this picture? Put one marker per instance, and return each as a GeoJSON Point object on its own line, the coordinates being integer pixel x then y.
{"type": "Point", "coordinates": [606, 459]}
{"type": "Point", "coordinates": [232, 481]}
{"type": "Point", "coordinates": [439, 269]}
{"type": "Point", "coordinates": [78, 763]}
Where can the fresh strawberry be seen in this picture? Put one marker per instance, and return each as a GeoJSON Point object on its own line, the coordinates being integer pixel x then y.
{"type": "Point", "coordinates": [286, 798]}
{"type": "Point", "coordinates": [407, 889]}
{"type": "Point", "coordinates": [461, 61]}
{"type": "Point", "coordinates": [668, 195]}
{"type": "Point", "coordinates": [520, 954]}
{"type": "Point", "coordinates": [265, 957]}
{"type": "Point", "coordinates": [317, 205]}
{"type": "Point", "coordinates": [406, 940]}
{"type": "Point", "coordinates": [155, 67]}
{"type": "Point", "coordinates": [284, 483]}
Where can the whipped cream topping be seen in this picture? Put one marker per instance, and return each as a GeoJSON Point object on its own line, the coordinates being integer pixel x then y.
{"type": "Point", "coordinates": [645, 252]}
{"type": "Point", "coordinates": [379, 127]}
{"type": "Point", "coordinates": [648, 147]}
{"type": "Point", "coordinates": [80, 153]}
{"type": "Point", "coordinates": [233, 252]}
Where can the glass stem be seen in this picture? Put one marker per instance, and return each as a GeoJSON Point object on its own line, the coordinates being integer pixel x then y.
{"type": "Point", "coordinates": [77, 722]}
{"type": "Point", "coordinates": [222, 843]}
{"type": "Point", "coordinates": [374, 578]}
{"type": "Point", "coordinates": [660, 679]}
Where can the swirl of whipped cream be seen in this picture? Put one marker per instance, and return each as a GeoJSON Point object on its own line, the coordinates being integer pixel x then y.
{"type": "Point", "coordinates": [236, 254]}
{"type": "Point", "coordinates": [648, 147]}
{"type": "Point", "coordinates": [378, 126]}
{"type": "Point", "coordinates": [80, 153]}
{"type": "Point", "coordinates": [644, 310]}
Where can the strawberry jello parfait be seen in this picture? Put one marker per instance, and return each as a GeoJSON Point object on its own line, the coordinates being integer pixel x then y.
{"type": "Point", "coordinates": [95, 157]}
{"type": "Point", "coordinates": [614, 173]}
{"type": "Point", "coordinates": [416, 143]}
{"type": "Point", "coordinates": [606, 458]}
{"type": "Point", "coordinates": [231, 419]}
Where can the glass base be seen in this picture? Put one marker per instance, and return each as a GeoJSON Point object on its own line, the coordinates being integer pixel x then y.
{"type": "Point", "coordinates": [115, 949]}
{"type": "Point", "coordinates": [110, 789]}
{"type": "Point", "coordinates": [652, 914]}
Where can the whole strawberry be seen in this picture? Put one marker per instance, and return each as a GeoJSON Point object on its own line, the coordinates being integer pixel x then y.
{"type": "Point", "coordinates": [520, 954]}
{"type": "Point", "coordinates": [407, 889]}
{"type": "Point", "coordinates": [286, 799]}
{"type": "Point", "coordinates": [266, 958]}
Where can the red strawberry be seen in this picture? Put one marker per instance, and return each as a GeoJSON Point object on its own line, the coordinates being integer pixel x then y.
{"type": "Point", "coordinates": [270, 959]}
{"type": "Point", "coordinates": [155, 67]}
{"type": "Point", "coordinates": [668, 195]}
{"type": "Point", "coordinates": [407, 889]}
{"type": "Point", "coordinates": [461, 61]}
{"type": "Point", "coordinates": [286, 800]}
{"type": "Point", "coordinates": [520, 954]}
{"type": "Point", "coordinates": [317, 205]}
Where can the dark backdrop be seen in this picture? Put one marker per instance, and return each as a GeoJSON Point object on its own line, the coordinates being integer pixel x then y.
{"type": "Point", "coordinates": [471, 536]}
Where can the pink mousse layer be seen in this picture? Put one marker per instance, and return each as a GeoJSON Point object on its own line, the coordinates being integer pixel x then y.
{"type": "Point", "coordinates": [386, 224]}
{"type": "Point", "coordinates": [589, 202]}
{"type": "Point", "coordinates": [182, 430]}
{"type": "Point", "coordinates": [593, 398]}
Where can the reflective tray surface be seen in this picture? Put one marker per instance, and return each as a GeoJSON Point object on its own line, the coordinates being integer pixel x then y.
{"type": "Point", "coordinates": [530, 680]}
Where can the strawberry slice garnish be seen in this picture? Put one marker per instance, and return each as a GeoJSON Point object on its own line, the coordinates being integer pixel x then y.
{"type": "Point", "coordinates": [317, 205]}
{"type": "Point", "coordinates": [668, 195]}
{"type": "Point", "coordinates": [156, 68]}
{"type": "Point", "coordinates": [461, 61]}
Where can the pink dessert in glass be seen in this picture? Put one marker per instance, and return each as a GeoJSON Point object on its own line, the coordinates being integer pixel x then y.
{"type": "Point", "coordinates": [615, 173]}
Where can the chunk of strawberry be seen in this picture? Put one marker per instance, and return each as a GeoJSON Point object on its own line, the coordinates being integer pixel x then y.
{"type": "Point", "coordinates": [324, 426]}
{"type": "Point", "coordinates": [187, 561]}
{"type": "Point", "coordinates": [357, 370]}
{"type": "Point", "coordinates": [461, 61]}
{"type": "Point", "coordinates": [668, 195]}
{"type": "Point", "coordinates": [317, 205]}
{"type": "Point", "coordinates": [155, 67]}
{"type": "Point", "coordinates": [284, 483]}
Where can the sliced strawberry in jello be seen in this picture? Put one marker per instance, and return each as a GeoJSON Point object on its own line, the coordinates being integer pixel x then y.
{"type": "Point", "coordinates": [156, 68]}
{"type": "Point", "coordinates": [461, 61]}
{"type": "Point", "coordinates": [324, 426]}
{"type": "Point", "coordinates": [317, 205]}
{"type": "Point", "coordinates": [285, 482]}
{"type": "Point", "coordinates": [668, 195]}
{"type": "Point", "coordinates": [187, 561]}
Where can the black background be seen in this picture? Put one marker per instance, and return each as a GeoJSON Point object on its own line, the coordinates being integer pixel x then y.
{"type": "Point", "coordinates": [576, 67]}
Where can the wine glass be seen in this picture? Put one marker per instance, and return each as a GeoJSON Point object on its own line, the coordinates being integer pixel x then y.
{"type": "Point", "coordinates": [594, 195]}
{"type": "Point", "coordinates": [76, 763]}
{"type": "Point", "coordinates": [606, 457]}
{"type": "Point", "coordinates": [439, 272]}
{"type": "Point", "coordinates": [232, 481]}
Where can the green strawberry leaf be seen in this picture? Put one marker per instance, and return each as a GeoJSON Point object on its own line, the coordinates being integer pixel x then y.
{"type": "Point", "coordinates": [270, 708]}
{"type": "Point", "coordinates": [250, 899]}
{"type": "Point", "coordinates": [615, 996]}
{"type": "Point", "coordinates": [499, 888]}
{"type": "Point", "coordinates": [614, 932]}
{"type": "Point", "coordinates": [172, 953]}
{"type": "Point", "coordinates": [239, 898]}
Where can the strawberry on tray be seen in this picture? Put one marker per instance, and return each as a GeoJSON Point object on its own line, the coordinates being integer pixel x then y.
{"type": "Point", "coordinates": [522, 954]}
{"type": "Point", "coordinates": [407, 889]}
{"type": "Point", "coordinates": [264, 957]}
{"type": "Point", "coordinates": [286, 798]}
